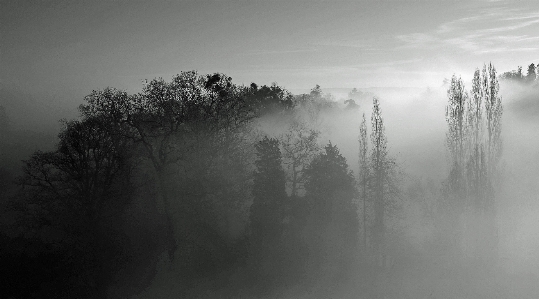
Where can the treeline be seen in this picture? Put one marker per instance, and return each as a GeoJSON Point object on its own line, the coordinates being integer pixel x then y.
{"type": "Point", "coordinates": [180, 175]}
{"type": "Point", "coordinates": [199, 176]}
{"type": "Point", "coordinates": [517, 76]}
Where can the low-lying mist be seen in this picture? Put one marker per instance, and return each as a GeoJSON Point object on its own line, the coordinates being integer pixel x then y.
{"type": "Point", "coordinates": [268, 199]}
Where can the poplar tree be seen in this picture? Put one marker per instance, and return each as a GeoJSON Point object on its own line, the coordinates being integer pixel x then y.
{"type": "Point", "coordinates": [493, 111]}
{"type": "Point", "coordinates": [456, 135]}
{"type": "Point", "coordinates": [474, 142]}
{"type": "Point", "coordinates": [379, 162]}
{"type": "Point", "coordinates": [364, 173]}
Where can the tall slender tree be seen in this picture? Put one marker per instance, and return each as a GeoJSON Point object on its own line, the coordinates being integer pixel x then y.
{"type": "Point", "coordinates": [475, 175]}
{"type": "Point", "coordinates": [493, 111]}
{"type": "Point", "coordinates": [364, 173]}
{"type": "Point", "coordinates": [456, 136]}
{"type": "Point", "coordinates": [474, 141]}
{"type": "Point", "coordinates": [379, 164]}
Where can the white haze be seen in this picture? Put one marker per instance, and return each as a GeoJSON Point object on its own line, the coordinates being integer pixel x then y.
{"type": "Point", "coordinates": [416, 132]}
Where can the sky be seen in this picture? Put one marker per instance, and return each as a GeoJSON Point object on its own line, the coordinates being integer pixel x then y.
{"type": "Point", "coordinates": [69, 48]}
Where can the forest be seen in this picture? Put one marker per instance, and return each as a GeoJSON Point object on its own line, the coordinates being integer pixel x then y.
{"type": "Point", "coordinates": [198, 187]}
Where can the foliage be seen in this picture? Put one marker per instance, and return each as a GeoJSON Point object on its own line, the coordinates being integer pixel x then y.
{"type": "Point", "coordinates": [86, 166]}
{"type": "Point", "coordinates": [517, 76]}
{"type": "Point", "coordinates": [383, 181]}
{"type": "Point", "coordinates": [268, 99]}
{"type": "Point", "coordinates": [474, 140]}
{"type": "Point", "coordinates": [73, 190]}
{"type": "Point", "coordinates": [333, 221]}
{"type": "Point", "coordinates": [327, 174]}
{"type": "Point", "coordinates": [455, 117]}
{"type": "Point", "coordinates": [364, 173]}
{"type": "Point", "coordinates": [267, 210]}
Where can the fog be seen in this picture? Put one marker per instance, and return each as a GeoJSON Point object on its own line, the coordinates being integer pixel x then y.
{"type": "Point", "coordinates": [196, 188]}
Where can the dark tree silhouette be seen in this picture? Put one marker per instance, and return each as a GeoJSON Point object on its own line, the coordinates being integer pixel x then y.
{"type": "Point", "coordinates": [86, 167]}
{"type": "Point", "coordinates": [268, 208]}
{"type": "Point", "coordinates": [532, 75]}
{"type": "Point", "coordinates": [334, 225]}
{"type": "Point", "coordinates": [267, 99]}
{"type": "Point", "coordinates": [168, 120]}
{"type": "Point", "coordinates": [74, 189]}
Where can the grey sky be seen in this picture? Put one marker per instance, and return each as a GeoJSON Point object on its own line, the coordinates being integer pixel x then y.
{"type": "Point", "coordinates": [72, 47]}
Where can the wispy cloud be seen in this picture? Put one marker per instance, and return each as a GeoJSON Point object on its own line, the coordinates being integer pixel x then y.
{"type": "Point", "coordinates": [387, 63]}
{"type": "Point", "coordinates": [492, 30]}
{"type": "Point", "coordinates": [269, 52]}
{"type": "Point", "coordinates": [363, 44]}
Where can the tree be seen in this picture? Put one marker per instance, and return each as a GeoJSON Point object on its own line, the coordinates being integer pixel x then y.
{"type": "Point", "coordinates": [493, 145]}
{"type": "Point", "coordinates": [331, 190]}
{"type": "Point", "coordinates": [299, 147]}
{"type": "Point", "coordinates": [355, 94]}
{"type": "Point", "coordinates": [514, 75]}
{"type": "Point", "coordinates": [360, 97]}
{"type": "Point", "coordinates": [364, 173]}
{"type": "Point", "coordinates": [268, 99]}
{"type": "Point", "coordinates": [531, 76]}
{"type": "Point", "coordinates": [474, 141]}
{"type": "Point", "coordinates": [493, 111]}
{"type": "Point", "coordinates": [316, 92]}
{"type": "Point", "coordinates": [74, 189]}
{"type": "Point", "coordinates": [475, 174]}
{"type": "Point", "coordinates": [455, 138]}
{"type": "Point", "coordinates": [351, 104]}
{"type": "Point", "coordinates": [85, 166]}
{"type": "Point", "coordinates": [454, 202]}
{"type": "Point", "coordinates": [168, 120]}
{"type": "Point", "coordinates": [268, 208]}
{"type": "Point", "coordinates": [483, 129]}
{"type": "Point", "coordinates": [381, 165]}
{"type": "Point", "coordinates": [384, 185]}
{"type": "Point", "coordinates": [268, 189]}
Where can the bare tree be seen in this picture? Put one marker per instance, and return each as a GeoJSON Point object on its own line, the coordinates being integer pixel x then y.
{"type": "Point", "coordinates": [299, 148]}
{"type": "Point", "coordinates": [168, 120]}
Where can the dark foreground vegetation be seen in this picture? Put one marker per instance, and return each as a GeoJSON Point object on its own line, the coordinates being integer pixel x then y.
{"type": "Point", "coordinates": [200, 188]}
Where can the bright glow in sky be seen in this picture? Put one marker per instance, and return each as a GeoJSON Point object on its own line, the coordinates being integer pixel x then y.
{"type": "Point", "coordinates": [72, 47]}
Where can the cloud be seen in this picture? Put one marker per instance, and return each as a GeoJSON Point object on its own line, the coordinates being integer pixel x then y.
{"type": "Point", "coordinates": [387, 63]}
{"type": "Point", "coordinates": [269, 52]}
{"type": "Point", "coordinates": [491, 30]}
{"type": "Point", "coordinates": [363, 44]}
